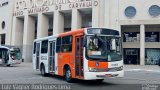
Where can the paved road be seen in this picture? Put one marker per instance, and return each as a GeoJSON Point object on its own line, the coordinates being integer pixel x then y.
{"type": "Point", "coordinates": [135, 79]}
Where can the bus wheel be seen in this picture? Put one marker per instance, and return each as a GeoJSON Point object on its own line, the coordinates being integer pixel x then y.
{"type": "Point", "coordinates": [8, 65]}
{"type": "Point", "coordinates": [99, 80]}
{"type": "Point", "coordinates": [43, 72]}
{"type": "Point", "coordinates": [68, 75]}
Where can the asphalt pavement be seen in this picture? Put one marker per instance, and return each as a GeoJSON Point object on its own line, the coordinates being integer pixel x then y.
{"type": "Point", "coordinates": [136, 78]}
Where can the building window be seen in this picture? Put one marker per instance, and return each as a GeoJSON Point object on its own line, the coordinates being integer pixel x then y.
{"type": "Point", "coordinates": [154, 10]}
{"type": "Point", "coordinates": [3, 25]}
{"type": "Point", "coordinates": [67, 21]}
{"type": "Point", "coordinates": [3, 38]}
{"type": "Point", "coordinates": [131, 56]}
{"type": "Point", "coordinates": [152, 56]}
{"type": "Point", "coordinates": [152, 37]}
{"type": "Point", "coordinates": [44, 47]}
{"type": "Point", "coordinates": [131, 37]}
{"type": "Point", "coordinates": [130, 12]}
{"type": "Point", "coordinates": [50, 25]}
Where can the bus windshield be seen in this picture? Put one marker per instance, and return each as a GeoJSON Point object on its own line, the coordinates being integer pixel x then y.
{"type": "Point", "coordinates": [4, 53]}
{"type": "Point", "coordinates": [105, 48]}
{"type": "Point", "coordinates": [15, 54]}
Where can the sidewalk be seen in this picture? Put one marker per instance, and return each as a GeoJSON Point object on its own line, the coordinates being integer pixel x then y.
{"type": "Point", "coordinates": [142, 67]}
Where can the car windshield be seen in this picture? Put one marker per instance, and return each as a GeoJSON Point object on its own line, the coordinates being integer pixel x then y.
{"type": "Point", "coordinates": [106, 48]}
{"type": "Point", "coordinates": [15, 54]}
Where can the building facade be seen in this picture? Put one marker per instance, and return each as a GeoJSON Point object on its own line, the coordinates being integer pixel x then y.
{"type": "Point", "coordinates": [137, 20]}
{"type": "Point", "coordinates": [6, 15]}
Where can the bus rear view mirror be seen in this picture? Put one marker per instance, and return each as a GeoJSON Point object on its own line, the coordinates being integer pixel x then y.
{"type": "Point", "coordinates": [113, 46]}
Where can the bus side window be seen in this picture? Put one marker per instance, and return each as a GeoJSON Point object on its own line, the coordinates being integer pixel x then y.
{"type": "Point", "coordinates": [44, 47]}
{"type": "Point", "coordinates": [34, 49]}
{"type": "Point", "coordinates": [58, 45]}
{"type": "Point", "coordinates": [67, 44]}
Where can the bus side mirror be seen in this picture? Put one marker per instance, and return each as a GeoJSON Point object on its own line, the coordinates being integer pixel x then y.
{"type": "Point", "coordinates": [84, 41]}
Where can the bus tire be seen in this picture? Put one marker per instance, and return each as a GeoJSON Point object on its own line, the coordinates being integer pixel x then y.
{"type": "Point", "coordinates": [68, 75]}
{"type": "Point", "coordinates": [99, 80]}
{"type": "Point", "coordinates": [8, 65]}
{"type": "Point", "coordinates": [43, 72]}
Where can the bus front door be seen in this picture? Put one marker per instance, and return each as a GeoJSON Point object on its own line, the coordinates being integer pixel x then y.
{"type": "Point", "coordinates": [79, 57]}
{"type": "Point", "coordinates": [52, 56]}
{"type": "Point", "coordinates": [37, 55]}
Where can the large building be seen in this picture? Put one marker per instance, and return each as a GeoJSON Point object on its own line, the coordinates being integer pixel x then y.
{"type": "Point", "coordinates": [138, 21]}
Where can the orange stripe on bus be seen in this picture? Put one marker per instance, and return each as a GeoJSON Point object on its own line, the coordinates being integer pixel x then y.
{"type": "Point", "coordinates": [74, 32]}
{"type": "Point", "coordinates": [100, 64]}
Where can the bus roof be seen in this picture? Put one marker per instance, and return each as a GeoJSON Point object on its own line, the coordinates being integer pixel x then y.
{"type": "Point", "coordinates": [76, 31]}
{"type": "Point", "coordinates": [8, 46]}
{"type": "Point", "coordinates": [4, 47]}
{"type": "Point", "coordinates": [45, 38]}
{"type": "Point", "coordinates": [61, 34]}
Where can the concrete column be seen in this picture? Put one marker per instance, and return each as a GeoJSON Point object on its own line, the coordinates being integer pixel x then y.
{"type": "Point", "coordinates": [95, 17]}
{"type": "Point", "coordinates": [142, 44]}
{"type": "Point", "coordinates": [58, 23]}
{"type": "Point", "coordinates": [113, 21]}
{"type": "Point", "coordinates": [98, 14]}
{"type": "Point", "coordinates": [107, 13]}
{"type": "Point", "coordinates": [76, 19]}
{"type": "Point", "coordinates": [8, 37]}
{"type": "Point", "coordinates": [9, 31]}
{"type": "Point", "coordinates": [17, 32]}
{"type": "Point", "coordinates": [28, 38]}
{"type": "Point", "coordinates": [42, 29]}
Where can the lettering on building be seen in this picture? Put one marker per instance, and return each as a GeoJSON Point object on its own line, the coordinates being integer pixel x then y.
{"type": "Point", "coordinates": [83, 4]}
{"type": "Point", "coordinates": [26, 4]}
{"type": "Point", "coordinates": [38, 9]}
{"type": "Point", "coordinates": [18, 13]}
{"type": "Point", "coordinates": [3, 4]}
{"type": "Point", "coordinates": [37, 6]}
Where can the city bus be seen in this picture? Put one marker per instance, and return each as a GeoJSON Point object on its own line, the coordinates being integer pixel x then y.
{"type": "Point", "coordinates": [87, 54]}
{"type": "Point", "coordinates": [9, 55]}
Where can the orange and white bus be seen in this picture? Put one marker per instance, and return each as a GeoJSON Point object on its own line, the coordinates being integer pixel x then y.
{"type": "Point", "coordinates": [88, 54]}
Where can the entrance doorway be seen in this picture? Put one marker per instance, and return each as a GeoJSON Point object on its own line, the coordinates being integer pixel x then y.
{"type": "Point", "coordinates": [132, 56]}
{"type": "Point", "coordinates": [52, 56]}
{"type": "Point", "coordinates": [37, 55]}
{"type": "Point", "coordinates": [79, 57]}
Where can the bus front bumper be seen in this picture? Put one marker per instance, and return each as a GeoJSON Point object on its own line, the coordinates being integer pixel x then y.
{"type": "Point", "coordinates": [102, 75]}
{"type": "Point", "coordinates": [16, 62]}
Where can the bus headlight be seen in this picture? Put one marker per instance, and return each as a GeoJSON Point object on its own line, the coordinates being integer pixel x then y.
{"type": "Point", "coordinates": [115, 69]}
{"type": "Point", "coordinates": [91, 69]}
{"type": "Point", "coordinates": [119, 68]}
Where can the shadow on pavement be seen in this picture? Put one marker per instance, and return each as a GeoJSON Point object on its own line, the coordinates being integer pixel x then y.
{"type": "Point", "coordinates": [79, 82]}
{"type": "Point", "coordinates": [9, 66]}
{"type": "Point", "coordinates": [92, 83]}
